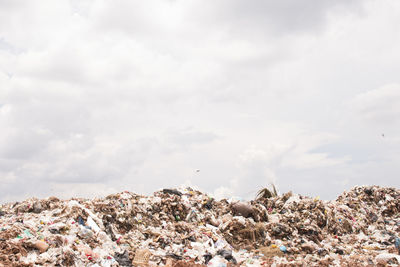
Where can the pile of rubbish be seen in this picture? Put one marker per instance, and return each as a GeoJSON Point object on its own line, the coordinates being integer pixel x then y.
{"type": "Point", "coordinates": [184, 227]}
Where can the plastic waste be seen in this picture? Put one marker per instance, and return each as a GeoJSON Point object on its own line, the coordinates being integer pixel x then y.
{"type": "Point", "coordinates": [172, 191]}
{"type": "Point", "coordinates": [181, 228]}
{"type": "Point", "coordinates": [227, 254]}
{"type": "Point", "coordinates": [397, 243]}
{"type": "Point", "coordinates": [81, 221]}
{"type": "Point", "coordinates": [217, 261]}
{"type": "Point", "coordinates": [90, 222]}
{"type": "Point", "coordinates": [123, 258]}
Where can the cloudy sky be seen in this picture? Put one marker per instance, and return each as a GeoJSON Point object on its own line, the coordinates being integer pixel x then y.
{"type": "Point", "coordinates": [102, 96]}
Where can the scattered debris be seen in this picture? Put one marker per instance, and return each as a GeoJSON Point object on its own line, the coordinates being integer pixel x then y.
{"type": "Point", "coordinates": [184, 227]}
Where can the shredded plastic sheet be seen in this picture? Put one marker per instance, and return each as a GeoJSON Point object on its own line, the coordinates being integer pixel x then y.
{"type": "Point", "coordinates": [183, 227]}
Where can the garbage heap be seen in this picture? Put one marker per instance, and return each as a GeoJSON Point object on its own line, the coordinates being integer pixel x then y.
{"type": "Point", "coordinates": [184, 227]}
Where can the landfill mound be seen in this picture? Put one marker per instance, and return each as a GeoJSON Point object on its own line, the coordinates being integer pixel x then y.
{"type": "Point", "coordinates": [184, 227]}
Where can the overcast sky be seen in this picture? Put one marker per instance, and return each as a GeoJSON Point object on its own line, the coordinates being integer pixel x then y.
{"type": "Point", "coordinates": [98, 97]}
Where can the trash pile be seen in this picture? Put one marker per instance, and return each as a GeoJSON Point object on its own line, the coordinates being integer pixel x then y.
{"type": "Point", "coordinates": [184, 227]}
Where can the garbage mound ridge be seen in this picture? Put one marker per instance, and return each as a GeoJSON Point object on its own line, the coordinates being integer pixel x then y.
{"type": "Point", "coordinates": [184, 227]}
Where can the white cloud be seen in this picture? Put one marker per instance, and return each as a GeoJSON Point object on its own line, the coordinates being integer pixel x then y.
{"type": "Point", "coordinates": [136, 95]}
{"type": "Point", "coordinates": [381, 105]}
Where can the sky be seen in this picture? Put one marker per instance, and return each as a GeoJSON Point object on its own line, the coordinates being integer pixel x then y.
{"type": "Point", "coordinates": [99, 97]}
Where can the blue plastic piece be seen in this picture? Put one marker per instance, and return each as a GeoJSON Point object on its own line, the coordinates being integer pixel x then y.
{"type": "Point", "coordinates": [283, 248]}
